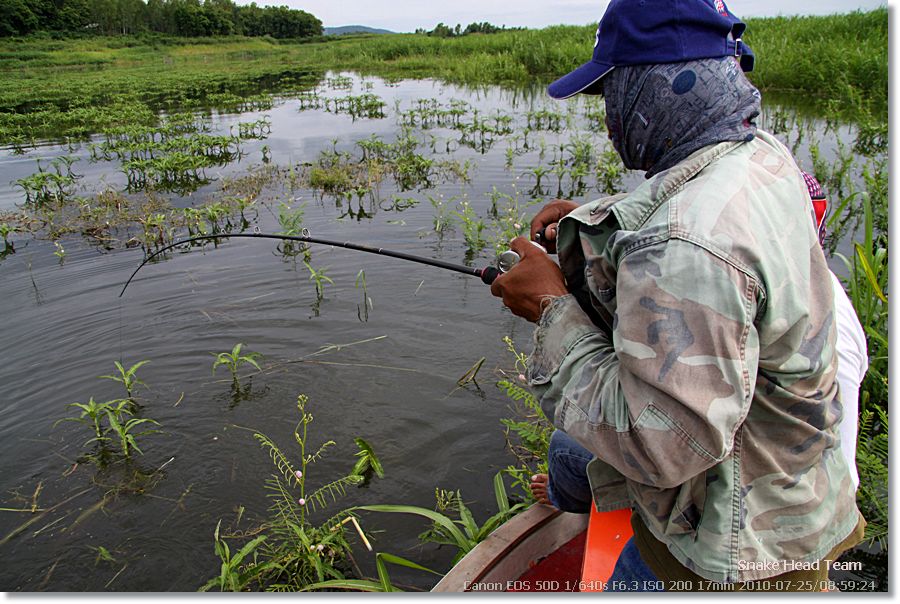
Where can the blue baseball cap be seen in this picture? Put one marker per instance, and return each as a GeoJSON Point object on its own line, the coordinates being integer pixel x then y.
{"type": "Point", "coordinates": [649, 32]}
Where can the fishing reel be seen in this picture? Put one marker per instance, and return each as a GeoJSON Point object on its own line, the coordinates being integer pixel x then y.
{"type": "Point", "coordinates": [508, 259]}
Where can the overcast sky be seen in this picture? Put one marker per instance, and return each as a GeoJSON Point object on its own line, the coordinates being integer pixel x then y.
{"type": "Point", "coordinates": [407, 15]}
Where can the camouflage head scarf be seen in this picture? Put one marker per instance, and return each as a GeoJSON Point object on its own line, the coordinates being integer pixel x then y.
{"type": "Point", "coordinates": [657, 115]}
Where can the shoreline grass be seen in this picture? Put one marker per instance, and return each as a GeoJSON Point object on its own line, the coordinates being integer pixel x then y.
{"type": "Point", "coordinates": [837, 58]}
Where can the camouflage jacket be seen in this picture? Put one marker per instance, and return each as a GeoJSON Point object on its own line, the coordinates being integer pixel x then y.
{"type": "Point", "coordinates": [696, 359]}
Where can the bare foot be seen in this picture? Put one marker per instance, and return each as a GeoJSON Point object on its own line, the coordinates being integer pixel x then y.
{"type": "Point", "coordinates": [538, 486]}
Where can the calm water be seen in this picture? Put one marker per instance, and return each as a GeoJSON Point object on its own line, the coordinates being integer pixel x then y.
{"type": "Point", "coordinates": [392, 381]}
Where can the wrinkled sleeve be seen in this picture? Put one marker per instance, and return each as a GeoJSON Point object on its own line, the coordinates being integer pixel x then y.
{"type": "Point", "coordinates": [662, 401]}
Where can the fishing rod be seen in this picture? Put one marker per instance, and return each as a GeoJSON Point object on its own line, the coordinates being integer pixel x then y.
{"type": "Point", "coordinates": [505, 260]}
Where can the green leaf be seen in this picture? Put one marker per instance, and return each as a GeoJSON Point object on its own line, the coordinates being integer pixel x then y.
{"type": "Point", "coordinates": [436, 517]}
{"type": "Point", "coordinates": [500, 493]}
{"type": "Point", "coordinates": [870, 274]}
{"type": "Point", "coordinates": [248, 359]}
{"type": "Point", "coordinates": [351, 584]}
{"type": "Point", "coordinates": [367, 459]}
{"type": "Point", "coordinates": [249, 547]}
{"type": "Point", "coordinates": [404, 562]}
{"type": "Point", "coordinates": [468, 520]}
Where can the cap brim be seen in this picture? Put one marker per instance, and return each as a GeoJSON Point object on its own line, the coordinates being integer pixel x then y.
{"type": "Point", "coordinates": [578, 80]}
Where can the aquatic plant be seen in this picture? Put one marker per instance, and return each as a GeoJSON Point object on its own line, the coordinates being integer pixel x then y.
{"type": "Point", "coordinates": [462, 532]}
{"type": "Point", "coordinates": [49, 187]}
{"type": "Point", "coordinates": [92, 414]}
{"type": "Point", "coordinates": [362, 310]}
{"type": "Point", "coordinates": [234, 360]}
{"type": "Point", "coordinates": [60, 251]}
{"type": "Point", "coordinates": [295, 553]}
{"type": "Point", "coordinates": [319, 277]}
{"type": "Point", "coordinates": [383, 584]}
{"type": "Point", "coordinates": [117, 427]}
{"type": "Point", "coordinates": [867, 288]}
{"type": "Point", "coordinates": [124, 430]}
{"type": "Point", "coordinates": [5, 231]}
{"type": "Point", "coordinates": [440, 222]}
{"type": "Point", "coordinates": [509, 218]}
{"type": "Point", "coordinates": [290, 219]}
{"type": "Point", "coordinates": [528, 432]}
{"type": "Point", "coordinates": [610, 170]}
{"type": "Point", "coordinates": [366, 105]}
{"type": "Point", "coordinates": [472, 227]}
{"type": "Point", "coordinates": [127, 377]}
{"type": "Point", "coordinates": [235, 574]}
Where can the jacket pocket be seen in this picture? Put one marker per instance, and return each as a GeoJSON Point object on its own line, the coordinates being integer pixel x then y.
{"type": "Point", "coordinates": [688, 509]}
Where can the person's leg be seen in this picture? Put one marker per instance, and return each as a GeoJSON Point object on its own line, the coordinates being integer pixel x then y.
{"type": "Point", "coordinates": [631, 573]}
{"type": "Point", "coordinates": [567, 487]}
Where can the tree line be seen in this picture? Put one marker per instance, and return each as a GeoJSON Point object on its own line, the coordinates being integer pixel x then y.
{"type": "Point", "coordinates": [173, 17]}
{"type": "Point", "coordinates": [445, 31]}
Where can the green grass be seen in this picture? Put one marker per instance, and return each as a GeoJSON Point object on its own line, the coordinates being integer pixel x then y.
{"type": "Point", "coordinates": [94, 80]}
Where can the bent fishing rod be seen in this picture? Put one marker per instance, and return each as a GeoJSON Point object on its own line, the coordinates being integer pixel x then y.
{"type": "Point", "coordinates": [505, 261]}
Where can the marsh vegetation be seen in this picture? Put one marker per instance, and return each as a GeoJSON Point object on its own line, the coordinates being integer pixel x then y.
{"type": "Point", "coordinates": [124, 144]}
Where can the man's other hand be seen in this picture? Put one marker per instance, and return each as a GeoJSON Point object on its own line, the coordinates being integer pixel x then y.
{"type": "Point", "coordinates": [547, 218]}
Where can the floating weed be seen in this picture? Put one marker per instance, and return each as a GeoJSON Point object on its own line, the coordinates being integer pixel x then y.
{"type": "Point", "coordinates": [398, 203]}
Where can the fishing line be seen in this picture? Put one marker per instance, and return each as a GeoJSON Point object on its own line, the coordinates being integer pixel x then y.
{"type": "Point", "coordinates": [486, 274]}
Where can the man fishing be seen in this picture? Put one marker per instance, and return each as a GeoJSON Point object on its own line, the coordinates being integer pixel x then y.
{"type": "Point", "coordinates": [687, 337]}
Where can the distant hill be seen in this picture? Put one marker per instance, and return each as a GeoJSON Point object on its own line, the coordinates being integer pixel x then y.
{"type": "Point", "coordinates": [354, 29]}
